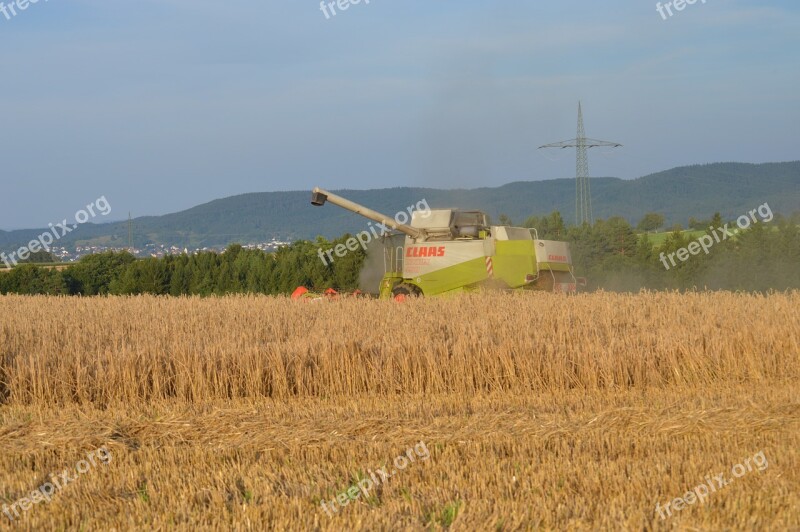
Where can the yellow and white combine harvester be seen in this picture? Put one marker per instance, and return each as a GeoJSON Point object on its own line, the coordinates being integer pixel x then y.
{"type": "Point", "coordinates": [452, 250]}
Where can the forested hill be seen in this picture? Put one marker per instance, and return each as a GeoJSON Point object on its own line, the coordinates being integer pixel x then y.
{"type": "Point", "coordinates": [700, 190]}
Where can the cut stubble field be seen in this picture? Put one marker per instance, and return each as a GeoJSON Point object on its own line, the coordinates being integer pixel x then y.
{"type": "Point", "coordinates": [539, 411]}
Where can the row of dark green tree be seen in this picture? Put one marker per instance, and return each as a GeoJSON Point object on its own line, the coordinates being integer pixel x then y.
{"type": "Point", "coordinates": [609, 253]}
{"type": "Point", "coordinates": [612, 256]}
{"type": "Point", "coordinates": [237, 270]}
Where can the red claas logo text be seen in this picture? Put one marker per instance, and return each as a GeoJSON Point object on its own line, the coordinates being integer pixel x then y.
{"type": "Point", "coordinates": [425, 251]}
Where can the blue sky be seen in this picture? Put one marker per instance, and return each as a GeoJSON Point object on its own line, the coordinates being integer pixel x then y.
{"type": "Point", "coordinates": [164, 104]}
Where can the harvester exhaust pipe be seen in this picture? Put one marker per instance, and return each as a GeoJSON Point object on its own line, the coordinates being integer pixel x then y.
{"type": "Point", "coordinates": [319, 196]}
{"type": "Point", "coordinates": [318, 199]}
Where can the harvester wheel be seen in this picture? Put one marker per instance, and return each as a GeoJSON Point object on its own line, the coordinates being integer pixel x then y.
{"type": "Point", "coordinates": [404, 290]}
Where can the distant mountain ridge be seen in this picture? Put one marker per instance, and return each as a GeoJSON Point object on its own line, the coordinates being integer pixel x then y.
{"type": "Point", "coordinates": [699, 190]}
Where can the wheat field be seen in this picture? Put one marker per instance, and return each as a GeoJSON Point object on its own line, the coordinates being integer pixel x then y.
{"type": "Point", "coordinates": [539, 411]}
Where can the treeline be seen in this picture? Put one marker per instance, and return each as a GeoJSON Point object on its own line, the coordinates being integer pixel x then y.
{"type": "Point", "coordinates": [610, 254]}
{"type": "Point", "coordinates": [237, 270]}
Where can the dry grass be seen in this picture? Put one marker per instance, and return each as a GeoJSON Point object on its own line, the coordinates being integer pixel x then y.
{"type": "Point", "coordinates": [129, 350]}
{"type": "Point", "coordinates": [540, 411]}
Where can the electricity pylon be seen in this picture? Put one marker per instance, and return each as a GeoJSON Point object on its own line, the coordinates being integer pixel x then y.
{"type": "Point", "coordinates": [583, 194]}
{"type": "Point", "coordinates": [130, 233]}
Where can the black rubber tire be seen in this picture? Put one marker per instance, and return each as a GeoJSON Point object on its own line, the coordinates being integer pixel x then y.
{"type": "Point", "coordinates": [406, 289]}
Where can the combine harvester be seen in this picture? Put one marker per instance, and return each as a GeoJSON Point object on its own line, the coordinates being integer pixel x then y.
{"type": "Point", "coordinates": [450, 250]}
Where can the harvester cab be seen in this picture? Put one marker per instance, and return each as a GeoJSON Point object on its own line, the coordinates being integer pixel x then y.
{"type": "Point", "coordinates": [452, 250]}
